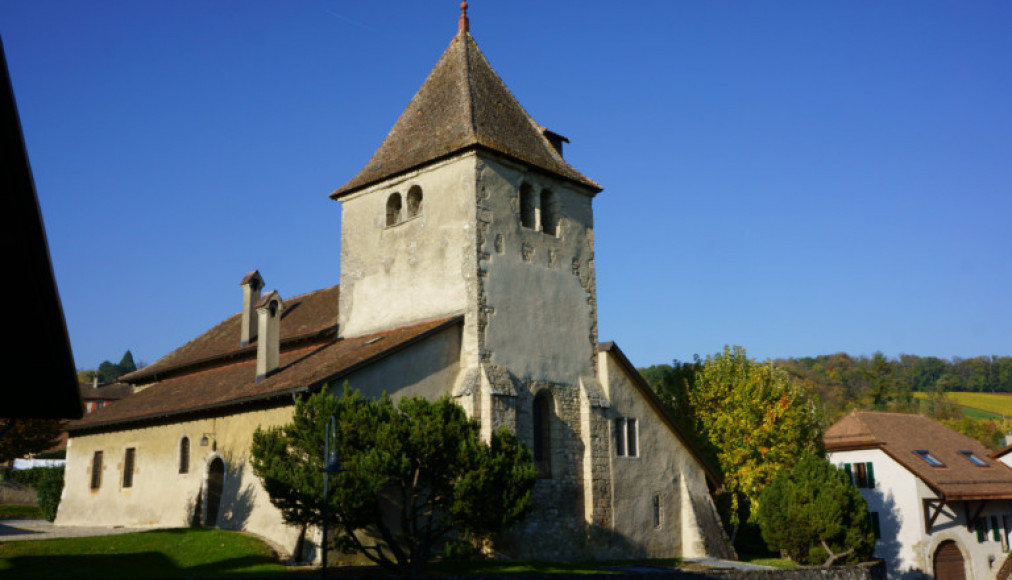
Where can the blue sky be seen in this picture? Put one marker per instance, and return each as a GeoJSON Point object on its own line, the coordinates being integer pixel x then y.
{"type": "Point", "coordinates": [797, 177]}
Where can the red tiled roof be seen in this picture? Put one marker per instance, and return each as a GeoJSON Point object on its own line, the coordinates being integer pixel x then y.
{"type": "Point", "coordinates": [234, 383]}
{"type": "Point", "coordinates": [112, 392]}
{"type": "Point", "coordinates": [899, 435]}
{"type": "Point", "coordinates": [463, 104]}
{"type": "Point", "coordinates": [304, 316]}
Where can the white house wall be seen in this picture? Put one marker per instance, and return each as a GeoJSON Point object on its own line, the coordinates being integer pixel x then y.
{"type": "Point", "coordinates": [907, 550]}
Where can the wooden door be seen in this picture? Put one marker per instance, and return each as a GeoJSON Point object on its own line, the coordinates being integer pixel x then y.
{"type": "Point", "coordinates": [949, 562]}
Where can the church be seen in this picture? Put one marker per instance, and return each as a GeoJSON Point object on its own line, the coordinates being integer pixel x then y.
{"type": "Point", "coordinates": [467, 268]}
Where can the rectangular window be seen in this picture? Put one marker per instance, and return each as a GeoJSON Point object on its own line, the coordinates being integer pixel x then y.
{"type": "Point", "coordinates": [626, 437]}
{"type": "Point", "coordinates": [875, 526]}
{"type": "Point", "coordinates": [631, 444]}
{"type": "Point", "coordinates": [128, 467]}
{"type": "Point", "coordinates": [657, 512]}
{"type": "Point", "coordinates": [96, 470]}
{"type": "Point", "coordinates": [620, 437]}
{"type": "Point", "coordinates": [864, 475]}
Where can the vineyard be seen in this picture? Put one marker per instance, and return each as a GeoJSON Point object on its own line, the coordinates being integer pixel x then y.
{"type": "Point", "coordinates": [994, 405]}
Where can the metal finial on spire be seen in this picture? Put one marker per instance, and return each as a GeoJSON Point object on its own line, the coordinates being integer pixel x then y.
{"type": "Point", "coordinates": [463, 23]}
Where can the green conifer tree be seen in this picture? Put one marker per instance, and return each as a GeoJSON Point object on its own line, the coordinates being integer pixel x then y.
{"type": "Point", "coordinates": [814, 514]}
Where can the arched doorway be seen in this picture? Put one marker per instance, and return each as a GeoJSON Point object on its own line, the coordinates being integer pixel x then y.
{"type": "Point", "coordinates": [949, 562]}
{"type": "Point", "coordinates": [215, 481]}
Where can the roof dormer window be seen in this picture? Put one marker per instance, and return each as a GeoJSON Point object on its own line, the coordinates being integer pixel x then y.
{"type": "Point", "coordinates": [929, 458]}
{"type": "Point", "coordinates": [973, 458]}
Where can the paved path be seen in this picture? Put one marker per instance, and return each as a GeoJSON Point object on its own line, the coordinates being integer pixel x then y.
{"type": "Point", "coordinates": [13, 530]}
{"type": "Point", "coordinates": [726, 564]}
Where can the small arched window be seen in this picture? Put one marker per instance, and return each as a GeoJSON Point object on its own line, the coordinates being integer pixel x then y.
{"type": "Point", "coordinates": [414, 201]}
{"type": "Point", "coordinates": [393, 209]}
{"type": "Point", "coordinates": [549, 216]}
{"type": "Point", "coordinates": [527, 207]}
{"type": "Point", "coordinates": [184, 455]}
{"type": "Point", "coordinates": [544, 410]}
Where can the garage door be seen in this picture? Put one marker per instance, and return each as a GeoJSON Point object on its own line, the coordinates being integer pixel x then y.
{"type": "Point", "coordinates": [949, 562]}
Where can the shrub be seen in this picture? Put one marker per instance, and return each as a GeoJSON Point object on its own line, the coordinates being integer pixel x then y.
{"type": "Point", "coordinates": [50, 488]}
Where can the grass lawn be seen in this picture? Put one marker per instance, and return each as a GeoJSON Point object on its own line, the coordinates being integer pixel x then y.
{"type": "Point", "coordinates": [179, 553]}
{"type": "Point", "coordinates": [20, 512]}
{"type": "Point", "coordinates": [774, 562]}
{"type": "Point", "coordinates": [203, 553]}
{"type": "Point", "coordinates": [978, 413]}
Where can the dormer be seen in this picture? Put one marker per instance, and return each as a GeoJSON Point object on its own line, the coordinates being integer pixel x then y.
{"type": "Point", "coordinates": [269, 311]}
{"type": "Point", "coordinates": [251, 284]}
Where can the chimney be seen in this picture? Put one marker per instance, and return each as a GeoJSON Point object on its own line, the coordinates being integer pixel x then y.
{"type": "Point", "coordinates": [251, 284]}
{"type": "Point", "coordinates": [94, 380]}
{"type": "Point", "coordinates": [555, 139]}
{"type": "Point", "coordinates": [269, 310]}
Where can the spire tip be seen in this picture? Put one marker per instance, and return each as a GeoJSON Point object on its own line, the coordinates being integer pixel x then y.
{"type": "Point", "coordinates": [463, 24]}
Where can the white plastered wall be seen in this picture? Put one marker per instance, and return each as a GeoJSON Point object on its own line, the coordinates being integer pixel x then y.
{"type": "Point", "coordinates": [907, 550]}
{"type": "Point", "coordinates": [161, 496]}
{"type": "Point", "coordinates": [664, 467]}
{"type": "Point", "coordinates": [418, 269]}
{"type": "Point", "coordinates": [425, 369]}
{"type": "Point", "coordinates": [538, 288]}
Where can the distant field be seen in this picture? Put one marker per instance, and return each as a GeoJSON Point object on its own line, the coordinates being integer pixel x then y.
{"type": "Point", "coordinates": [981, 405]}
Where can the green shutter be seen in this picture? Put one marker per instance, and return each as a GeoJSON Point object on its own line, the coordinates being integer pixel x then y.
{"type": "Point", "coordinates": [981, 530]}
{"type": "Point", "coordinates": [875, 528]}
{"type": "Point", "coordinates": [871, 475]}
{"type": "Point", "coordinates": [850, 473]}
{"type": "Point", "coordinates": [994, 529]}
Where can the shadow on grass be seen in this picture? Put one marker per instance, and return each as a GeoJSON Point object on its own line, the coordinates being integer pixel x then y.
{"type": "Point", "coordinates": [124, 566]}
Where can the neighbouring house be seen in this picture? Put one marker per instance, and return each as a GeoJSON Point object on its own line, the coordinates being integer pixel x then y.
{"type": "Point", "coordinates": [467, 269]}
{"type": "Point", "coordinates": [940, 505]}
{"type": "Point", "coordinates": [95, 396]}
{"type": "Point", "coordinates": [1005, 454]}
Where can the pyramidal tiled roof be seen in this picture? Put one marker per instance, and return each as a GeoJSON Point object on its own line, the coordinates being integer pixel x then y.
{"type": "Point", "coordinates": [462, 104]}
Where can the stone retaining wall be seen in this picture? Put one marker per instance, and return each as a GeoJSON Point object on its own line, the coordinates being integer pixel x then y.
{"type": "Point", "coordinates": [868, 571]}
{"type": "Point", "coordinates": [16, 494]}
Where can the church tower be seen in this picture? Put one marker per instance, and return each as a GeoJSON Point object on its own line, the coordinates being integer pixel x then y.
{"type": "Point", "coordinates": [468, 207]}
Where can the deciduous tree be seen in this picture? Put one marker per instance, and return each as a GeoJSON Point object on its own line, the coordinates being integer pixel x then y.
{"type": "Point", "coordinates": [28, 436]}
{"type": "Point", "coordinates": [755, 420]}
